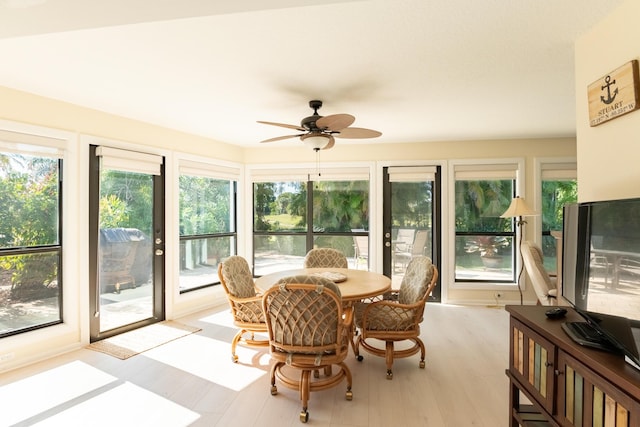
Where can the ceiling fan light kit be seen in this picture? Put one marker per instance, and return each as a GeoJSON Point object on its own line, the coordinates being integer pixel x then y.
{"type": "Point", "coordinates": [317, 141]}
{"type": "Point", "coordinates": [319, 131]}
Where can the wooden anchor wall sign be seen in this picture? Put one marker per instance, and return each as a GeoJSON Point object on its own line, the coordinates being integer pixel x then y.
{"type": "Point", "coordinates": [614, 94]}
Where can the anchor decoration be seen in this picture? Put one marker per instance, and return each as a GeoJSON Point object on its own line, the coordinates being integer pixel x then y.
{"type": "Point", "coordinates": [607, 86]}
{"type": "Point", "coordinates": [615, 94]}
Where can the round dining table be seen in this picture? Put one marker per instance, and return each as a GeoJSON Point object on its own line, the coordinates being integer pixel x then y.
{"type": "Point", "coordinates": [354, 285]}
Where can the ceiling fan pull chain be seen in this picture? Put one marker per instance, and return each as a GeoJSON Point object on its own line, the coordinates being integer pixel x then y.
{"type": "Point", "coordinates": [317, 150]}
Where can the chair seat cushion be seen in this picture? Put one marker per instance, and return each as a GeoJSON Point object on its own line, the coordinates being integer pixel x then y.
{"type": "Point", "coordinates": [385, 317]}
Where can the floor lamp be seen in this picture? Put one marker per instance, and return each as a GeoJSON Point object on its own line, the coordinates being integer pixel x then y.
{"type": "Point", "coordinates": [519, 209]}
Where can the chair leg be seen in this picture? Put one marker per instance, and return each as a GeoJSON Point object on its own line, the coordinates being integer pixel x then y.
{"type": "Point", "coordinates": [389, 358]}
{"type": "Point", "coordinates": [356, 348]}
{"type": "Point", "coordinates": [272, 375]}
{"type": "Point", "coordinates": [353, 338]}
{"type": "Point", "coordinates": [305, 386]}
{"type": "Point", "coordinates": [347, 374]}
{"type": "Point", "coordinates": [422, 353]}
{"type": "Point", "coordinates": [234, 344]}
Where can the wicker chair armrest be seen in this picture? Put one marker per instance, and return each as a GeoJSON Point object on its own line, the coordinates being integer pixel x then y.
{"type": "Point", "coordinates": [395, 304]}
{"type": "Point", "coordinates": [256, 298]}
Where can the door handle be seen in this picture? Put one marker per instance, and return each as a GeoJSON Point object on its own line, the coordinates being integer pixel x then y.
{"type": "Point", "coordinates": [159, 252]}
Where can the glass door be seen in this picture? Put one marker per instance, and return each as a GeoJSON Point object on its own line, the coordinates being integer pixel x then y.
{"type": "Point", "coordinates": [411, 218]}
{"type": "Point", "coordinates": [126, 240]}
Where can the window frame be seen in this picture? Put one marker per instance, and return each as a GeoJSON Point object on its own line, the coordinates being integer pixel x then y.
{"type": "Point", "coordinates": [39, 143]}
{"type": "Point", "coordinates": [302, 174]}
{"type": "Point", "coordinates": [563, 168]}
{"type": "Point", "coordinates": [215, 171]}
{"type": "Point", "coordinates": [490, 169]}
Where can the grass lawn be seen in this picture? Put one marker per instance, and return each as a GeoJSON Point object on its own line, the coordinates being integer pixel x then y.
{"type": "Point", "coordinates": [284, 221]}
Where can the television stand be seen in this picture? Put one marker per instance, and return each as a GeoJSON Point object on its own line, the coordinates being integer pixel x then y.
{"type": "Point", "coordinates": [565, 383]}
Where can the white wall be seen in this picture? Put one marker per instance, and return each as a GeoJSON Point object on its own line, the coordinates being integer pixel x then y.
{"type": "Point", "coordinates": [608, 154]}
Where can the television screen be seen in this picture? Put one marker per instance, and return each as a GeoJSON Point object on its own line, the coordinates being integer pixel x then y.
{"type": "Point", "coordinates": [613, 267]}
{"type": "Point", "coordinates": [601, 268]}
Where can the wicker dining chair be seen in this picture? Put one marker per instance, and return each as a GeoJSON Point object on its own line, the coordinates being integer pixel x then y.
{"type": "Point", "coordinates": [307, 333]}
{"type": "Point", "coordinates": [325, 258]}
{"type": "Point", "coordinates": [398, 316]}
{"type": "Point", "coordinates": [245, 301]}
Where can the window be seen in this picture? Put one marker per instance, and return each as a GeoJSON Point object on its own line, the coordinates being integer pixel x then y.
{"type": "Point", "coordinates": [340, 209]}
{"type": "Point", "coordinates": [207, 222]}
{"type": "Point", "coordinates": [484, 242]}
{"type": "Point", "coordinates": [289, 220]}
{"type": "Point", "coordinates": [559, 186]}
{"type": "Point", "coordinates": [279, 225]}
{"type": "Point", "coordinates": [30, 234]}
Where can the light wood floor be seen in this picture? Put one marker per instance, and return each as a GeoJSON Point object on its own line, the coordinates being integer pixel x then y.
{"type": "Point", "coordinates": [192, 382]}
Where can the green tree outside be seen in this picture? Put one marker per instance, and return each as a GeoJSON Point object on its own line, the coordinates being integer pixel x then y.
{"type": "Point", "coordinates": [29, 189]}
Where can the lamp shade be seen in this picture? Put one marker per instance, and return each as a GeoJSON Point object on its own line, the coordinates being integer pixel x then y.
{"type": "Point", "coordinates": [518, 207]}
{"type": "Point", "coordinates": [315, 141]}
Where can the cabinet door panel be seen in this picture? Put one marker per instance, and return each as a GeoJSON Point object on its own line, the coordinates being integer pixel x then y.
{"type": "Point", "coordinates": [586, 399]}
{"type": "Point", "coordinates": [532, 360]}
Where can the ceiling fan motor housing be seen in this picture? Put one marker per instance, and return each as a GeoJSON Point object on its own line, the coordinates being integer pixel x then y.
{"type": "Point", "coordinates": [309, 123]}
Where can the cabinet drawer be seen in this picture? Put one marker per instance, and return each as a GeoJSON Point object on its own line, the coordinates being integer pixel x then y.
{"type": "Point", "coordinates": [532, 361]}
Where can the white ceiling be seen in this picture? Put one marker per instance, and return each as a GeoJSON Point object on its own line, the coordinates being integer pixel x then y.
{"type": "Point", "coordinates": [416, 70]}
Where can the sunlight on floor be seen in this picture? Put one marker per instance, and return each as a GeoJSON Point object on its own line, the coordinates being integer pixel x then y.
{"type": "Point", "coordinates": [88, 391]}
{"type": "Point", "coordinates": [124, 405]}
{"type": "Point", "coordinates": [210, 359]}
{"type": "Point", "coordinates": [34, 395]}
{"type": "Point", "coordinates": [222, 318]}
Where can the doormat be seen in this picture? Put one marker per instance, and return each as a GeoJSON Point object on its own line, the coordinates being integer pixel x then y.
{"type": "Point", "coordinates": [134, 342]}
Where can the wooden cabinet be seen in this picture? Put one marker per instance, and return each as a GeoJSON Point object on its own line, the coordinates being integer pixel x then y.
{"type": "Point", "coordinates": [563, 383]}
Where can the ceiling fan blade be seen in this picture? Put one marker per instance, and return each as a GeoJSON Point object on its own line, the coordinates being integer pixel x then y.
{"type": "Point", "coordinates": [335, 122]}
{"type": "Point", "coordinates": [357, 133]}
{"type": "Point", "coordinates": [280, 138]}
{"type": "Point", "coordinates": [301, 129]}
{"type": "Point", "coordinates": [331, 143]}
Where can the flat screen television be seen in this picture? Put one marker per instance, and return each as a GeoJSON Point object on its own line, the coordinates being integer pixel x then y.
{"type": "Point", "coordinates": [601, 274]}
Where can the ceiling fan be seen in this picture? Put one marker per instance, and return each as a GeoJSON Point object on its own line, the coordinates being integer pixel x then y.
{"type": "Point", "coordinates": [318, 132]}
